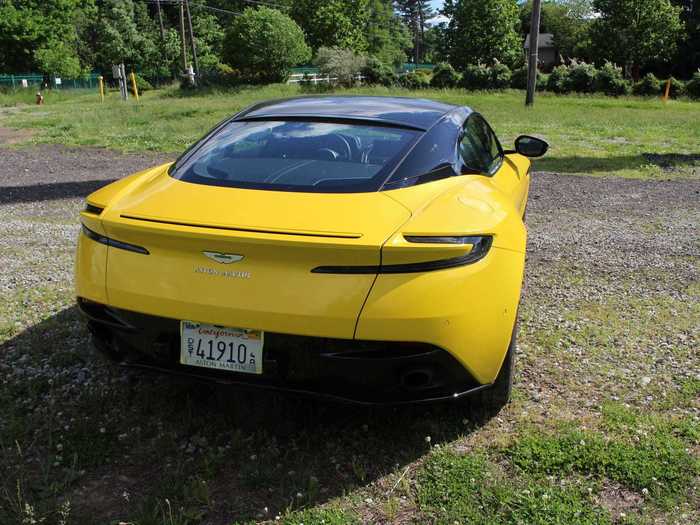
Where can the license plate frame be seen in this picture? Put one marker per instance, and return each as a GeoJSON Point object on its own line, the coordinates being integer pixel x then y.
{"type": "Point", "coordinates": [216, 347]}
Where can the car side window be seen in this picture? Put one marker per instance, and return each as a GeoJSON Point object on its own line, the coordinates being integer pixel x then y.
{"type": "Point", "coordinates": [479, 147]}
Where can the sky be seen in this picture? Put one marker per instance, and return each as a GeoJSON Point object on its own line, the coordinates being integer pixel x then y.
{"type": "Point", "coordinates": [437, 4]}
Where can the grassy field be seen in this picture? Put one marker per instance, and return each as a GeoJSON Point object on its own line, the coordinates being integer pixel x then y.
{"type": "Point", "coordinates": [627, 137]}
{"type": "Point", "coordinates": [604, 426]}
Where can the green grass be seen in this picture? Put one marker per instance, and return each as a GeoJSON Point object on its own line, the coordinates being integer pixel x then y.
{"type": "Point", "coordinates": [454, 488]}
{"type": "Point", "coordinates": [561, 475]}
{"type": "Point", "coordinates": [593, 135]}
{"type": "Point", "coordinates": [657, 463]}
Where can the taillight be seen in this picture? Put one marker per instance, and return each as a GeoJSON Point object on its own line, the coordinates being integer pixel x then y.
{"type": "Point", "coordinates": [113, 242]}
{"type": "Point", "coordinates": [480, 246]}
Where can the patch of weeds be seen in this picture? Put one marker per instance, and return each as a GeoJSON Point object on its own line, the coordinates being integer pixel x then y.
{"type": "Point", "coordinates": [685, 394]}
{"type": "Point", "coordinates": [624, 420]}
{"type": "Point", "coordinates": [153, 511]}
{"type": "Point", "coordinates": [332, 516]}
{"type": "Point", "coordinates": [654, 463]}
{"type": "Point", "coordinates": [468, 488]}
{"type": "Point", "coordinates": [539, 504]}
{"type": "Point", "coordinates": [15, 507]}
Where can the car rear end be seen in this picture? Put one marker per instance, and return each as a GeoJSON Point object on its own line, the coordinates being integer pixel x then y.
{"type": "Point", "coordinates": [344, 294]}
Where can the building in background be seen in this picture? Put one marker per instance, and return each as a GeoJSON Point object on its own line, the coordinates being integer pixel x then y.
{"type": "Point", "coordinates": [547, 53]}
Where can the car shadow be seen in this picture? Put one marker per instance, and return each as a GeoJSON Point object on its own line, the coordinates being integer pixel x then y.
{"type": "Point", "coordinates": [132, 440]}
{"type": "Point", "coordinates": [50, 191]}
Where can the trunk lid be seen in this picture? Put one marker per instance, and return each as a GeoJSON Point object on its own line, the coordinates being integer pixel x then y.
{"type": "Point", "coordinates": [243, 258]}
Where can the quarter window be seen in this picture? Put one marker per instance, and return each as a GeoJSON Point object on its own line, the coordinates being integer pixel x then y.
{"type": "Point", "coordinates": [479, 147]}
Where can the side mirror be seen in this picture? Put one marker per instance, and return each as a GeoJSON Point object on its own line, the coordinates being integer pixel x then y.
{"type": "Point", "coordinates": [530, 146]}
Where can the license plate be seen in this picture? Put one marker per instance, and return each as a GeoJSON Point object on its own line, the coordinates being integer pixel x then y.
{"type": "Point", "coordinates": [221, 348]}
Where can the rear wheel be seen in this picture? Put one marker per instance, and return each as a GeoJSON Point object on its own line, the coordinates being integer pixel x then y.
{"type": "Point", "coordinates": [490, 401]}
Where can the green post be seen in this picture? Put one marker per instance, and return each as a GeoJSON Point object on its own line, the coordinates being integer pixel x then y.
{"type": "Point", "coordinates": [13, 81]}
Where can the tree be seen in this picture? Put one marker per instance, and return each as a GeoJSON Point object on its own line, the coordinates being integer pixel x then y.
{"type": "Point", "coordinates": [481, 31]}
{"type": "Point", "coordinates": [636, 32]}
{"type": "Point", "coordinates": [58, 59]}
{"type": "Point", "coordinates": [416, 14]}
{"type": "Point", "coordinates": [688, 57]}
{"type": "Point", "coordinates": [341, 65]}
{"type": "Point", "coordinates": [209, 37]}
{"type": "Point", "coordinates": [569, 23]}
{"type": "Point", "coordinates": [388, 38]}
{"type": "Point", "coordinates": [435, 48]}
{"type": "Point", "coordinates": [26, 26]}
{"type": "Point", "coordinates": [333, 23]}
{"type": "Point", "coordinates": [264, 44]}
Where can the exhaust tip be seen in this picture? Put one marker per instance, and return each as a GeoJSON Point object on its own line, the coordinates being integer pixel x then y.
{"type": "Point", "coordinates": [417, 379]}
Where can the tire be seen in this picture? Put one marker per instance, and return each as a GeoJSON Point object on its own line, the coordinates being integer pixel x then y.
{"type": "Point", "coordinates": [490, 401]}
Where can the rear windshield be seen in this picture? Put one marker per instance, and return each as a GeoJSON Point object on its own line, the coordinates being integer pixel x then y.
{"type": "Point", "coordinates": [297, 156]}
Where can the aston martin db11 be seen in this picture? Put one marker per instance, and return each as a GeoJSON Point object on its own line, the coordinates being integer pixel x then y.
{"type": "Point", "coordinates": [368, 249]}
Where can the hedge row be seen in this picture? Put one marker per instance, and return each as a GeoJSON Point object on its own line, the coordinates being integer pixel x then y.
{"type": "Point", "coordinates": [578, 77]}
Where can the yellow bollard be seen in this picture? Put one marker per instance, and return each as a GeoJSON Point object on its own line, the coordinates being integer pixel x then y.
{"type": "Point", "coordinates": [102, 88]}
{"type": "Point", "coordinates": [668, 90]}
{"type": "Point", "coordinates": [133, 85]}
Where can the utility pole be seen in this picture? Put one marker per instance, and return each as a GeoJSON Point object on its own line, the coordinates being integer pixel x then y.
{"type": "Point", "coordinates": [182, 37]}
{"type": "Point", "coordinates": [532, 55]}
{"type": "Point", "coordinates": [162, 33]}
{"type": "Point", "coordinates": [160, 20]}
{"type": "Point", "coordinates": [194, 47]}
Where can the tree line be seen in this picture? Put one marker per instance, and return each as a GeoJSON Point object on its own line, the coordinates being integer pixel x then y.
{"type": "Point", "coordinates": [259, 40]}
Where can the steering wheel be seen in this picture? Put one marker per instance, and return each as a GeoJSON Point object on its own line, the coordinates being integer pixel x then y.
{"type": "Point", "coordinates": [344, 150]}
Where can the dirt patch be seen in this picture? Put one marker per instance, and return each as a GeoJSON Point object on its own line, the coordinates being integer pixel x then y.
{"type": "Point", "coordinates": [619, 501]}
{"type": "Point", "coordinates": [15, 136]}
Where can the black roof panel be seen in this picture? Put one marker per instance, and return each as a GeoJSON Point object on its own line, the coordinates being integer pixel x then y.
{"type": "Point", "coordinates": [414, 112]}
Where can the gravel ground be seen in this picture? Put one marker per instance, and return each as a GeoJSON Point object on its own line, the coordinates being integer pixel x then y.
{"type": "Point", "coordinates": [610, 311]}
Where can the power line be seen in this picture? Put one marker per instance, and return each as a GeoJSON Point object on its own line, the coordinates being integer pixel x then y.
{"type": "Point", "coordinates": [268, 4]}
{"type": "Point", "coordinates": [218, 9]}
{"type": "Point", "coordinates": [200, 6]}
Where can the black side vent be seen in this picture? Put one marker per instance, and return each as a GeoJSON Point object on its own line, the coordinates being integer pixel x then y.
{"type": "Point", "coordinates": [89, 208]}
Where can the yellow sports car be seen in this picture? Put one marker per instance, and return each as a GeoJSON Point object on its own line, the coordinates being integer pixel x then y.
{"type": "Point", "coordinates": [369, 249]}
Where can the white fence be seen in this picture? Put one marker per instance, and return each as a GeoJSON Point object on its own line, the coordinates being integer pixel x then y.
{"type": "Point", "coordinates": [315, 78]}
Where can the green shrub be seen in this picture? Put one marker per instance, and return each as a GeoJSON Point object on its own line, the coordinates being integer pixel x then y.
{"type": "Point", "coordinates": [476, 77]}
{"type": "Point", "coordinates": [677, 88]}
{"type": "Point", "coordinates": [518, 78]}
{"type": "Point", "coordinates": [141, 84]}
{"type": "Point", "coordinates": [582, 77]}
{"type": "Point", "coordinates": [264, 44]}
{"type": "Point", "coordinates": [426, 74]}
{"type": "Point", "coordinates": [445, 76]}
{"type": "Point", "coordinates": [222, 75]}
{"type": "Point", "coordinates": [377, 72]}
{"type": "Point", "coordinates": [692, 88]}
{"type": "Point", "coordinates": [649, 85]}
{"type": "Point", "coordinates": [499, 76]}
{"type": "Point", "coordinates": [610, 81]}
{"type": "Point", "coordinates": [419, 79]}
{"type": "Point", "coordinates": [558, 80]}
{"type": "Point", "coordinates": [342, 65]}
{"type": "Point", "coordinates": [480, 76]}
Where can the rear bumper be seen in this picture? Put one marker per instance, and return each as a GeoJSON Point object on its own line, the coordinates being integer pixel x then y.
{"type": "Point", "coordinates": [363, 372]}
